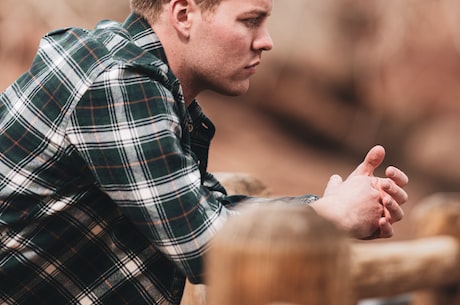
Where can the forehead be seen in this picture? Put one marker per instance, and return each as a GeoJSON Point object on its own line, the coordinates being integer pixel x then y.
{"type": "Point", "coordinates": [241, 6]}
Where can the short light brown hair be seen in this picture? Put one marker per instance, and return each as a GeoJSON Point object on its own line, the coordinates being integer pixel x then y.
{"type": "Point", "coordinates": [151, 9]}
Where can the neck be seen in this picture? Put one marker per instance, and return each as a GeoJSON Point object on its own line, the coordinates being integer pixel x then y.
{"type": "Point", "coordinates": [188, 89]}
{"type": "Point", "coordinates": [173, 50]}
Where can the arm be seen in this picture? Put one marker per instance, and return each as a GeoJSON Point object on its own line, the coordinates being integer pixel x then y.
{"type": "Point", "coordinates": [130, 131]}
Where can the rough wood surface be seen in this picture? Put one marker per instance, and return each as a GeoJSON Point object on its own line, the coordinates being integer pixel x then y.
{"type": "Point", "coordinates": [279, 253]}
{"type": "Point", "coordinates": [436, 215]}
{"type": "Point", "coordinates": [392, 268]}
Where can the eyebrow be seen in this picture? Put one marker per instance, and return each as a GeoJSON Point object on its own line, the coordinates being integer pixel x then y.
{"type": "Point", "coordinates": [259, 12]}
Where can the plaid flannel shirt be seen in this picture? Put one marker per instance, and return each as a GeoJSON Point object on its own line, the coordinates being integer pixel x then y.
{"type": "Point", "coordinates": [104, 194]}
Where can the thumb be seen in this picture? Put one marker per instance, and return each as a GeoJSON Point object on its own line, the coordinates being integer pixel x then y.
{"type": "Point", "coordinates": [334, 181]}
{"type": "Point", "coordinates": [372, 160]}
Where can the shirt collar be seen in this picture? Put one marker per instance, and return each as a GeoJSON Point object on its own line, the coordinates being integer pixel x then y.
{"type": "Point", "coordinates": [144, 36]}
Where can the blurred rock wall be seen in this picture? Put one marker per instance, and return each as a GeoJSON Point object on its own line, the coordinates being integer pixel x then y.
{"type": "Point", "coordinates": [22, 23]}
{"type": "Point", "coordinates": [360, 72]}
{"type": "Point", "coordinates": [351, 72]}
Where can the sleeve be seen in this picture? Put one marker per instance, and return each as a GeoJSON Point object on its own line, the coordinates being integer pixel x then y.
{"type": "Point", "coordinates": [130, 131]}
{"type": "Point", "coordinates": [235, 201]}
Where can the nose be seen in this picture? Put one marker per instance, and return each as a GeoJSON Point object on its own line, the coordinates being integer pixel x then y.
{"type": "Point", "coordinates": [263, 41]}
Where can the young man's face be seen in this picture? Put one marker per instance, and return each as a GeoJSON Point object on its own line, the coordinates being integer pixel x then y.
{"type": "Point", "coordinates": [227, 44]}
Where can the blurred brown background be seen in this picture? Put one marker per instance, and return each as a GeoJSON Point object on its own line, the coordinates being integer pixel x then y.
{"type": "Point", "coordinates": [344, 75]}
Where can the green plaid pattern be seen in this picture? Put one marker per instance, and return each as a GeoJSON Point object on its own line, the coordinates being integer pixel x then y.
{"type": "Point", "coordinates": [104, 194]}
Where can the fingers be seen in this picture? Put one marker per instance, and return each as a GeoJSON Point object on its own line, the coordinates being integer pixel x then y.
{"type": "Point", "coordinates": [372, 160]}
{"type": "Point", "coordinates": [392, 191]}
{"type": "Point", "coordinates": [392, 197]}
{"type": "Point", "coordinates": [393, 211]}
{"type": "Point", "coordinates": [386, 229]}
{"type": "Point", "coordinates": [398, 176]}
{"type": "Point", "coordinates": [334, 181]}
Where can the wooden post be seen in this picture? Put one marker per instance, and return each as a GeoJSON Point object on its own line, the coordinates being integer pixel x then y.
{"type": "Point", "coordinates": [439, 214]}
{"type": "Point", "coordinates": [279, 254]}
{"type": "Point", "coordinates": [235, 183]}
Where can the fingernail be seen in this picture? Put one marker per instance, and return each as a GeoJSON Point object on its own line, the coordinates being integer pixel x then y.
{"type": "Point", "coordinates": [389, 203]}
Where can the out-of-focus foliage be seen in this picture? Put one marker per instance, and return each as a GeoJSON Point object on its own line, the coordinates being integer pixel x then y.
{"type": "Point", "coordinates": [354, 72]}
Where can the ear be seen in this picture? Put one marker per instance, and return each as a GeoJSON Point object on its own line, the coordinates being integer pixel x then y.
{"type": "Point", "coordinates": [181, 13]}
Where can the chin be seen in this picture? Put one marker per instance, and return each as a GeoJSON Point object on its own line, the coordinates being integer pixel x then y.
{"type": "Point", "coordinates": [236, 90]}
{"type": "Point", "coordinates": [235, 93]}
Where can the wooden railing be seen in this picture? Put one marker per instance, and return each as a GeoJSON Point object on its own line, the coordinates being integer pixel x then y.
{"type": "Point", "coordinates": [286, 254]}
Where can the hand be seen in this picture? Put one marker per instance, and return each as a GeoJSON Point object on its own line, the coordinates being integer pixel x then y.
{"type": "Point", "coordinates": [391, 190]}
{"type": "Point", "coordinates": [364, 205]}
{"type": "Point", "coordinates": [353, 205]}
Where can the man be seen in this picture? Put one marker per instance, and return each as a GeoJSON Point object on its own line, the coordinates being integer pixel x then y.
{"type": "Point", "coordinates": [105, 196]}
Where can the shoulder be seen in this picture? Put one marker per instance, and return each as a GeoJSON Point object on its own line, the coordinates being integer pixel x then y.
{"type": "Point", "coordinates": [89, 49]}
{"type": "Point", "coordinates": [92, 52]}
{"type": "Point", "coordinates": [72, 52]}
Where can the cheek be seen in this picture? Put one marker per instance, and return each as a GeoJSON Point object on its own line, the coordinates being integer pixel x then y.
{"type": "Point", "coordinates": [230, 40]}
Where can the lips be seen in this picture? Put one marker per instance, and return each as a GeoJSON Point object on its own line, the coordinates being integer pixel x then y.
{"type": "Point", "coordinates": [253, 65]}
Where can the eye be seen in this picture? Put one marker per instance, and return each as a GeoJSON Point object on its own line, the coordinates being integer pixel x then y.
{"type": "Point", "coordinates": [252, 22]}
